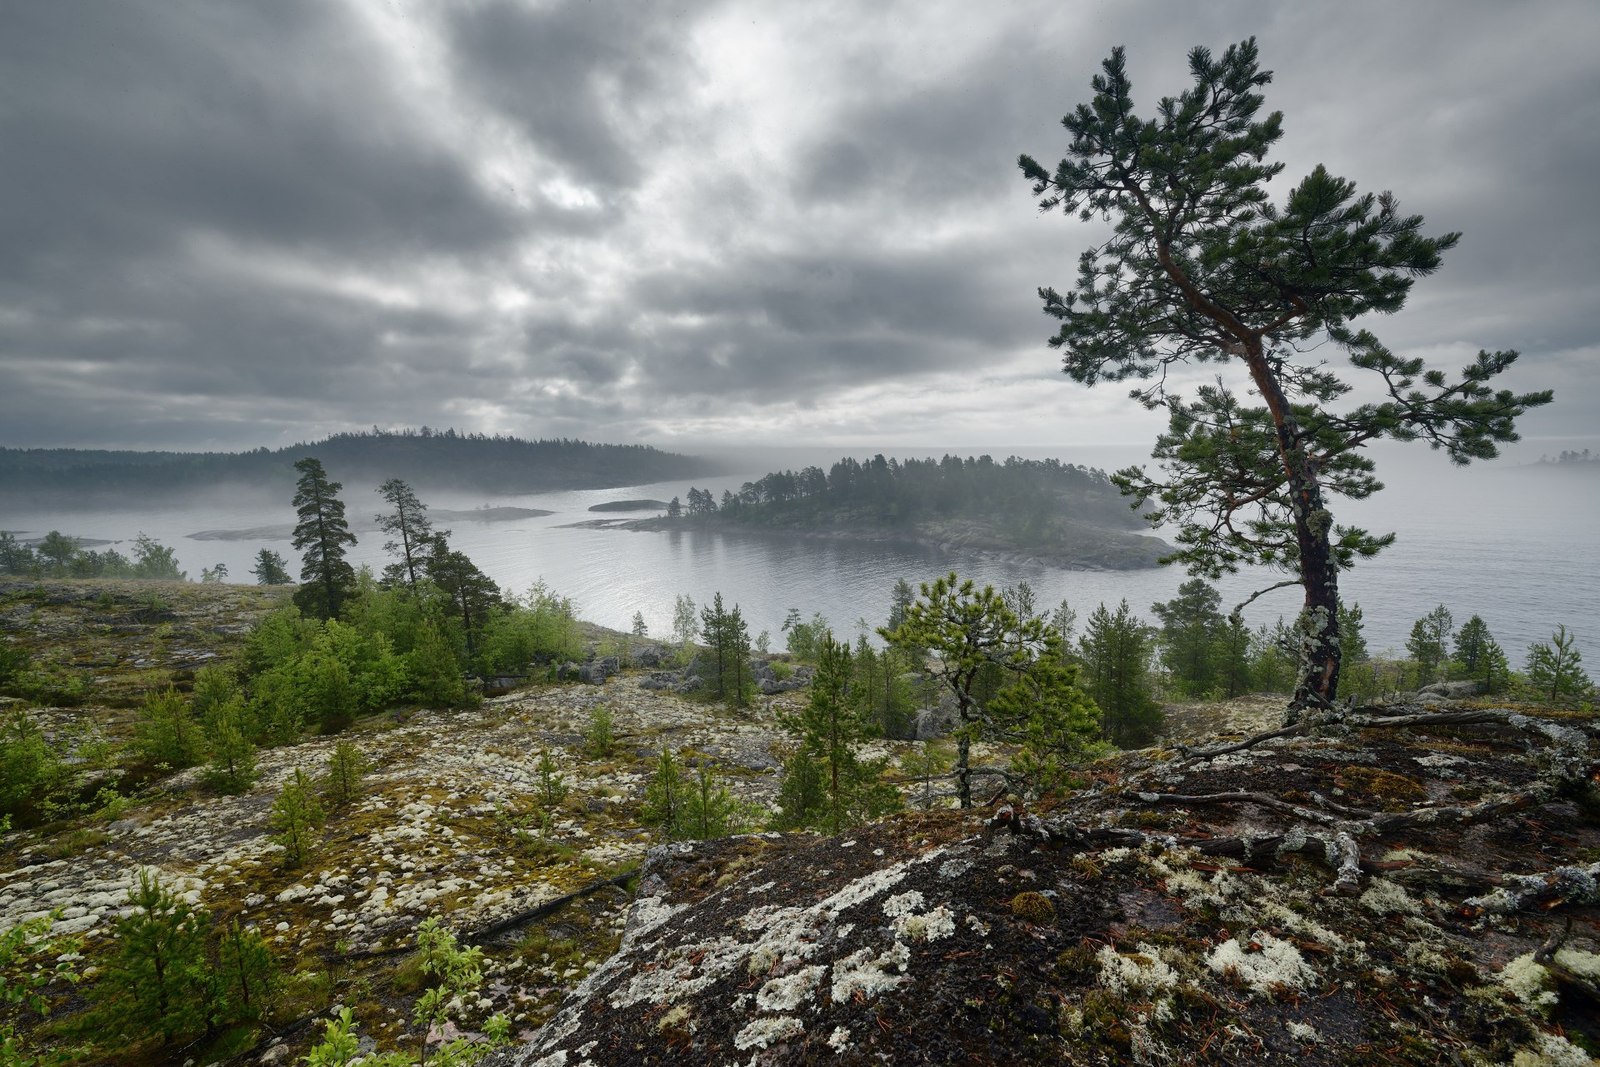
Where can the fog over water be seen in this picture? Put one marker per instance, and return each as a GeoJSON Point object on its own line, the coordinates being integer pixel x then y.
{"type": "Point", "coordinates": [1514, 544]}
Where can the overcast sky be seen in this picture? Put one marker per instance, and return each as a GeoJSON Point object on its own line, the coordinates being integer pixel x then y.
{"type": "Point", "coordinates": [231, 224]}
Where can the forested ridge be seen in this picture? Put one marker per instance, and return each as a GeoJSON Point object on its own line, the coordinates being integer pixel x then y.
{"type": "Point", "coordinates": [425, 457]}
{"type": "Point", "coordinates": [1014, 505]}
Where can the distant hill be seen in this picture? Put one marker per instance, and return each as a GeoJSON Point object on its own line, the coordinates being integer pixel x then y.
{"type": "Point", "coordinates": [427, 459]}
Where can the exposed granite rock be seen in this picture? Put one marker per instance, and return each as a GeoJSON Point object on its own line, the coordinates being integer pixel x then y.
{"type": "Point", "coordinates": [908, 941]}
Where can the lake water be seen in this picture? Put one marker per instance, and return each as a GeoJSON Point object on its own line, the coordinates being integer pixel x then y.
{"type": "Point", "coordinates": [1516, 545]}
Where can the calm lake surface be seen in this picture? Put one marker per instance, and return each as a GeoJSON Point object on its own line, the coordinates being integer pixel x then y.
{"type": "Point", "coordinates": [1514, 544]}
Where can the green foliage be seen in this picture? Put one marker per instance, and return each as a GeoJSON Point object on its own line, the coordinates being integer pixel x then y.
{"type": "Point", "coordinates": [322, 534]}
{"type": "Point", "coordinates": [826, 784]}
{"type": "Point", "coordinates": [598, 739]}
{"type": "Point", "coordinates": [1201, 267]}
{"type": "Point", "coordinates": [1428, 643]}
{"type": "Point", "coordinates": [727, 639]}
{"type": "Point", "coordinates": [14, 661]}
{"type": "Point", "coordinates": [339, 1046]}
{"type": "Point", "coordinates": [435, 671]}
{"type": "Point", "coordinates": [1056, 723]}
{"type": "Point", "coordinates": [341, 782]}
{"type": "Point", "coordinates": [296, 814]}
{"type": "Point", "coordinates": [455, 973]}
{"type": "Point", "coordinates": [472, 595]}
{"type": "Point", "coordinates": [550, 788]}
{"type": "Point", "coordinates": [30, 771]}
{"type": "Point", "coordinates": [271, 568]}
{"type": "Point", "coordinates": [803, 639]}
{"type": "Point", "coordinates": [1479, 657]}
{"type": "Point", "coordinates": [1555, 668]}
{"type": "Point", "coordinates": [214, 575]}
{"type": "Point", "coordinates": [246, 974]}
{"type": "Point", "coordinates": [232, 767]}
{"type": "Point", "coordinates": [683, 622]}
{"type": "Point", "coordinates": [536, 629]}
{"type": "Point", "coordinates": [880, 681]}
{"type": "Point", "coordinates": [925, 762]}
{"type": "Point", "coordinates": [157, 980]}
{"type": "Point", "coordinates": [31, 959]}
{"type": "Point", "coordinates": [166, 732]}
{"type": "Point", "coordinates": [152, 559]}
{"type": "Point", "coordinates": [1232, 649]}
{"type": "Point", "coordinates": [684, 805]}
{"type": "Point", "coordinates": [1191, 626]}
{"type": "Point", "coordinates": [980, 647]}
{"type": "Point", "coordinates": [1115, 652]}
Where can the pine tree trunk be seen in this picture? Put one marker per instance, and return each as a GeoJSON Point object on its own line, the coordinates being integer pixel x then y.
{"type": "Point", "coordinates": [1317, 680]}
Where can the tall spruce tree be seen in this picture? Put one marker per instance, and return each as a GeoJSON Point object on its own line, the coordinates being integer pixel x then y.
{"type": "Point", "coordinates": [322, 534]}
{"type": "Point", "coordinates": [1201, 267]}
{"type": "Point", "coordinates": [1191, 624]}
{"type": "Point", "coordinates": [1115, 652]}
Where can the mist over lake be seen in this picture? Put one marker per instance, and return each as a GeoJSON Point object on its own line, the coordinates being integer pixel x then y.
{"type": "Point", "coordinates": [1514, 544]}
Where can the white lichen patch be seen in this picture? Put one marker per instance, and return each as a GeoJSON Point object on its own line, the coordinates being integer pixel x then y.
{"type": "Point", "coordinates": [1384, 897]}
{"type": "Point", "coordinates": [839, 1040]}
{"type": "Point", "coordinates": [790, 991]}
{"type": "Point", "coordinates": [936, 923]}
{"type": "Point", "coordinates": [1529, 982]}
{"type": "Point", "coordinates": [1141, 972]}
{"type": "Point", "coordinates": [1264, 965]}
{"type": "Point", "coordinates": [862, 972]}
{"type": "Point", "coordinates": [768, 1030]}
{"type": "Point", "coordinates": [1303, 1032]}
{"type": "Point", "coordinates": [902, 904]}
{"type": "Point", "coordinates": [1552, 1050]}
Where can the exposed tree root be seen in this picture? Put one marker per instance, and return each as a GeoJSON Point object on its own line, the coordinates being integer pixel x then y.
{"type": "Point", "coordinates": [549, 907]}
{"type": "Point", "coordinates": [1334, 840]}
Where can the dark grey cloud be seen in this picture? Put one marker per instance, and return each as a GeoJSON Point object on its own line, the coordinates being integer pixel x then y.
{"type": "Point", "coordinates": [230, 224]}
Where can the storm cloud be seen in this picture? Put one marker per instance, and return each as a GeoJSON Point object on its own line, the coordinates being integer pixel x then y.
{"type": "Point", "coordinates": [230, 224]}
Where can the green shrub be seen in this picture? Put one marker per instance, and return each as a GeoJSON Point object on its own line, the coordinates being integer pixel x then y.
{"type": "Point", "coordinates": [598, 739]}
{"type": "Point", "coordinates": [30, 771]}
{"type": "Point", "coordinates": [166, 732]}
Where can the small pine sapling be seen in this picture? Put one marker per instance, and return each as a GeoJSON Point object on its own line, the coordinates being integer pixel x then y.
{"type": "Point", "coordinates": [295, 816]}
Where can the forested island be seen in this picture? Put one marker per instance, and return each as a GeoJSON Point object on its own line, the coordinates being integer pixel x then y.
{"type": "Point", "coordinates": [425, 458]}
{"type": "Point", "coordinates": [1063, 513]}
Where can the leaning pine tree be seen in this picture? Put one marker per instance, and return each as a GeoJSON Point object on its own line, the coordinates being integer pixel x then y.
{"type": "Point", "coordinates": [1201, 267]}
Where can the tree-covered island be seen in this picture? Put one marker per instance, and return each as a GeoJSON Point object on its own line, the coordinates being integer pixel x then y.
{"type": "Point", "coordinates": [1065, 513]}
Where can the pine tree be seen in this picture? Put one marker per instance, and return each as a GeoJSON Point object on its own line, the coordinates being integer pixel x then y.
{"type": "Point", "coordinates": [232, 769]}
{"type": "Point", "coordinates": [666, 795]}
{"type": "Point", "coordinates": [1479, 657]}
{"type": "Point", "coordinates": [1200, 266]}
{"type": "Point", "coordinates": [834, 787]}
{"type": "Point", "coordinates": [271, 568]}
{"type": "Point", "coordinates": [1115, 650]}
{"type": "Point", "coordinates": [1191, 623]}
{"type": "Point", "coordinates": [295, 816]}
{"type": "Point", "coordinates": [247, 975]}
{"type": "Point", "coordinates": [1427, 643]}
{"type": "Point", "coordinates": [322, 534]}
{"type": "Point", "coordinates": [410, 533]}
{"type": "Point", "coordinates": [341, 782]}
{"type": "Point", "coordinates": [157, 981]}
{"type": "Point", "coordinates": [1555, 669]}
{"type": "Point", "coordinates": [979, 648]}
{"type": "Point", "coordinates": [472, 594]}
{"type": "Point", "coordinates": [166, 731]}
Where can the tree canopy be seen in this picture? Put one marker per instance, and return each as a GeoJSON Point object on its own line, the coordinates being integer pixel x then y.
{"type": "Point", "coordinates": [1201, 267]}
